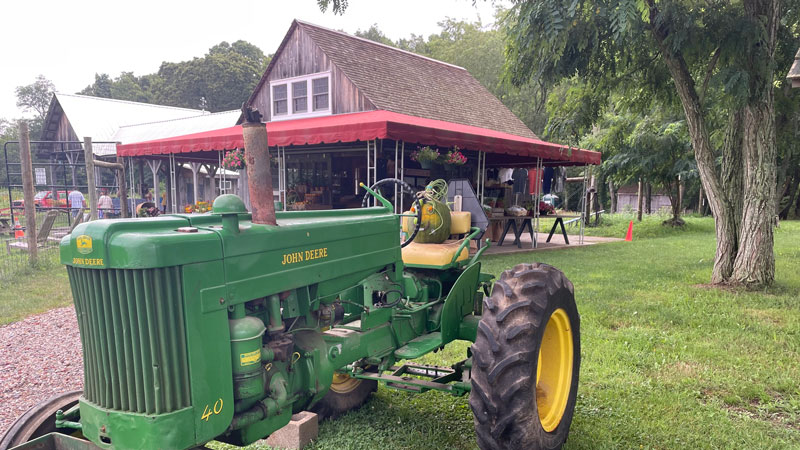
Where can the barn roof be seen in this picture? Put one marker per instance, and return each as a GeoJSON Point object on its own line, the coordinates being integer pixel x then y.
{"type": "Point", "coordinates": [175, 127]}
{"type": "Point", "coordinates": [403, 82]}
{"type": "Point", "coordinates": [100, 118]}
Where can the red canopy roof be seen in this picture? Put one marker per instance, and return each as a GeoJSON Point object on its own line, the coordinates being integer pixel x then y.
{"type": "Point", "coordinates": [365, 126]}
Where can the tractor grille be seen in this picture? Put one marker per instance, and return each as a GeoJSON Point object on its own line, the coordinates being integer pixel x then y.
{"type": "Point", "coordinates": [133, 336]}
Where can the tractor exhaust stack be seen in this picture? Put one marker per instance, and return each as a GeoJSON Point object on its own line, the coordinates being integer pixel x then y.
{"type": "Point", "coordinates": [259, 172]}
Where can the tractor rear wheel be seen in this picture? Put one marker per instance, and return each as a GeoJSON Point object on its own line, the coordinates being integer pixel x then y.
{"type": "Point", "coordinates": [526, 360]}
{"type": "Point", "coordinates": [39, 420]}
{"type": "Point", "coordinates": [346, 393]}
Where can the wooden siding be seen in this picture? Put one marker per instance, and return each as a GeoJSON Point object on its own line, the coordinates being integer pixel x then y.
{"type": "Point", "coordinates": [301, 56]}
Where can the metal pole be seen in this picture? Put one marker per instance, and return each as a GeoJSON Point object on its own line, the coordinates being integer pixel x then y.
{"type": "Point", "coordinates": [283, 173]}
{"type": "Point", "coordinates": [123, 190]}
{"type": "Point", "coordinates": [173, 188]}
{"type": "Point", "coordinates": [402, 167]}
{"type": "Point", "coordinates": [8, 184]}
{"type": "Point", "coordinates": [88, 156]}
{"type": "Point", "coordinates": [27, 190]}
{"type": "Point", "coordinates": [396, 148]}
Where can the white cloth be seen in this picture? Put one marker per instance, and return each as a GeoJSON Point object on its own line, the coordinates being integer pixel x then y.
{"type": "Point", "coordinates": [506, 175]}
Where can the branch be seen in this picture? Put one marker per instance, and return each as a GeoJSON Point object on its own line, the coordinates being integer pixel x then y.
{"type": "Point", "coordinates": [711, 67]}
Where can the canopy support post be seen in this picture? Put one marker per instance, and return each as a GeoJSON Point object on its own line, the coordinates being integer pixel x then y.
{"type": "Point", "coordinates": [372, 177]}
{"type": "Point", "coordinates": [481, 182]}
{"type": "Point", "coordinates": [195, 166]}
{"type": "Point", "coordinates": [155, 166]}
{"type": "Point", "coordinates": [173, 188]}
{"type": "Point", "coordinates": [132, 177]}
{"type": "Point", "coordinates": [537, 200]}
{"type": "Point", "coordinates": [402, 168]}
{"type": "Point", "coordinates": [396, 149]}
{"type": "Point", "coordinates": [282, 176]}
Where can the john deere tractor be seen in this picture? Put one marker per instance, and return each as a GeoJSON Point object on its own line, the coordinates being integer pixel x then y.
{"type": "Point", "coordinates": [212, 327]}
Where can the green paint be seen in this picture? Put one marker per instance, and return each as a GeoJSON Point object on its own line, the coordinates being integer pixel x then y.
{"type": "Point", "coordinates": [181, 318]}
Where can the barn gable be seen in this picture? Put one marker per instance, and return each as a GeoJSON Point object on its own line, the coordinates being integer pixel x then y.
{"type": "Point", "coordinates": [367, 75]}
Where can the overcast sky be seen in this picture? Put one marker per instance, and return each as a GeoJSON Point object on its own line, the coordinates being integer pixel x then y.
{"type": "Point", "coordinates": [68, 42]}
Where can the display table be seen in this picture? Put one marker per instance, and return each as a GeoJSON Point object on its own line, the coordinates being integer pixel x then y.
{"type": "Point", "coordinates": [560, 221]}
{"type": "Point", "coordinates": [509, 222]}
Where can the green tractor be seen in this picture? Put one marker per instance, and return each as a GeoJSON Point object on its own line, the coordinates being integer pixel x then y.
{"type": "Point", "coordinates": [212, 327]}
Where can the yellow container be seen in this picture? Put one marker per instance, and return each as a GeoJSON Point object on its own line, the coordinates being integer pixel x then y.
{"type": "Point", "coordinates": [460, 222]}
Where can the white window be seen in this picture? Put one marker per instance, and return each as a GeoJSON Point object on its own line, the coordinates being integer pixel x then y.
{"type": "Point", "coordinates": [320, 93]}
{"type": "Point", "coordinates": [279, 100]}
{"type": "Point", "coordinates": [299, 97]}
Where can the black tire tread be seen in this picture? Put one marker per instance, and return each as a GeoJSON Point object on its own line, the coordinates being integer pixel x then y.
{"type": "Point", "coordinates": [505, 353]}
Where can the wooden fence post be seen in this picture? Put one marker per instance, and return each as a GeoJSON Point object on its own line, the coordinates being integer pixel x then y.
{"type": "Point", "coordinates": [27, 190]}
{"type": "Point", "coordinates": [88, 155]}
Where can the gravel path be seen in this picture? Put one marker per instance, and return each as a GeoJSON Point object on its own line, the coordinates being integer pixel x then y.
{"type": "Point", "coordinates": [40, 357]}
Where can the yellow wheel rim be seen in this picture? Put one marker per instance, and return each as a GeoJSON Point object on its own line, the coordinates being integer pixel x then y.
{"type": "Point", "coordinates": [343, 383]}
{"type": "Point", "coordinates": [554, 370]}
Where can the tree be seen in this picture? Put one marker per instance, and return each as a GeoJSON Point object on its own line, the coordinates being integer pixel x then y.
{"type": "Point", "coordinates": [35, 97]}
{"type": "Point", "coordinates": [220, 80]}
{"type": "Point", "coordinates": [716, 53]}
{"type": "Point", "coordinates": [101, 86]}
{"type": "Point", "coordinates": [373, 33]}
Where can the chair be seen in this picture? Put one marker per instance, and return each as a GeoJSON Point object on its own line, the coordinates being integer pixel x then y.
{"type": "Point", "coordinates": [41, 235]}
{"type": "Point", "coordinates": [58, 235]}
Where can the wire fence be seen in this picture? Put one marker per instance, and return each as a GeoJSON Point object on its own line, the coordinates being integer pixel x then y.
{"type": "Point", "coordinates": [52, 225]}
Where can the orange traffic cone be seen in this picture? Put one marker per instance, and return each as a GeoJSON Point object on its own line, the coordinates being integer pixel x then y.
{"type": "Point", "coordinates": [18, 233]}
{"type": "Point", "coordinates": [629, 236]}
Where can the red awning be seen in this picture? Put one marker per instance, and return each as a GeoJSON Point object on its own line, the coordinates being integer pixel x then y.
{"type": "Point", "coordinates": [365, 126]}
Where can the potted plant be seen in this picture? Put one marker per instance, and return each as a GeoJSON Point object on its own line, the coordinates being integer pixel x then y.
{"type": "Point", "coordinates": [425, 156]}
{"type": "Point", "coordinates": [233, 160]}
{"type": "Point", "coordinates": [546, 208]}
{"type": "Point", "coordinates": [455, 158]}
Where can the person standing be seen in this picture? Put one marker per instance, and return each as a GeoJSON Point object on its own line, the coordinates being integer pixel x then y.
{"type": "Point", "coordinates": [77, 202]}
{"type": "Point", "coordinates": [104, 204]}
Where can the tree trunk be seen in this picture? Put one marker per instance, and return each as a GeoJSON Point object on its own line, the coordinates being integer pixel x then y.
{"type": "Point", "coordinates": [701, 202]}
{"type": "Point", "coordinates": [791, 193]}
{"type": "Point", "coordinates": [726, 223]}
{"type": "Point", "coordinates": [755, 261]}
{"type": "Point", "coordinates": [648, 198]}
{"type": "Point", "coordinates": [639, 202]}
{"type": "Point", "coordinates": [612, 193]}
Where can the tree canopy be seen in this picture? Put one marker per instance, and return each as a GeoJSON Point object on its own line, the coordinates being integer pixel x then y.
{"type": "Point", "coordinates": [721, 61]}
{"type": "Point", "coordinates": [220, 80]}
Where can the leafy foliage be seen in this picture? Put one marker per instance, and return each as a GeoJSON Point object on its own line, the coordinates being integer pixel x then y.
{"type": "Point", "coordinates": [220, 80]}
{"type": "Point", "coordinates": [35, 98]}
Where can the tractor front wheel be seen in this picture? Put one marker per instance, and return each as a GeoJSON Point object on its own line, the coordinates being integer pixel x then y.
{"type": "Point", "coordinates": [39, 420]}
{"type": "Point", "coordinates": [346, 393]}
{"type": "Point", "coordinates": [526, 360]}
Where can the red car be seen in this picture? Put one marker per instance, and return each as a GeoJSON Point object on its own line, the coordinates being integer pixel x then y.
{"type": "Point", "coordinates": [45, 199]}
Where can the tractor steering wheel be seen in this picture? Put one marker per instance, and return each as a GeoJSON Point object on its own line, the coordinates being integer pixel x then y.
{"type": "Point", "coordinates": [404, 189]}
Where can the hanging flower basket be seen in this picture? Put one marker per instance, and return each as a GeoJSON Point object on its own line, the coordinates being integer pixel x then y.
{"type": "Point", "coordinates": [425, 156]}
{"type": "Point", "coordinates": [455, 158]}
{"type": "Point", "coordinates": [233, 160]}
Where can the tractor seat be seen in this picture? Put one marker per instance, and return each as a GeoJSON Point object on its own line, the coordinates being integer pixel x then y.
{"type": "Point", "coordinates": [433, 255]}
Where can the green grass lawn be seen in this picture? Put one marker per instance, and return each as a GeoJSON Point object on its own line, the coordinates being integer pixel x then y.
{"type": "Point", "coordinates": [666, 362]}
{"type": "Point", "coordinates": [33, 291]}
